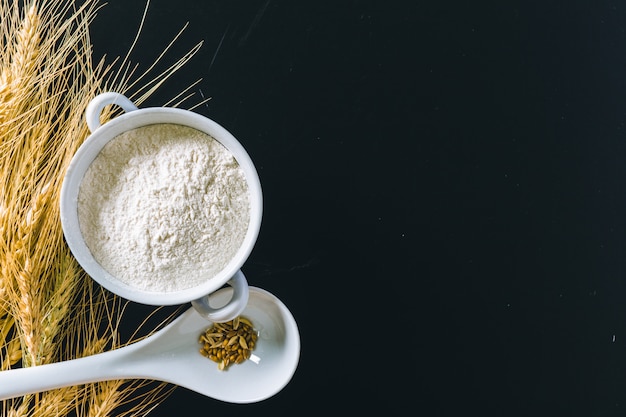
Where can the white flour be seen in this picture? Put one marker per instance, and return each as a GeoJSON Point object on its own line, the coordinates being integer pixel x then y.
{"type": "Point", "coordinates": [164, 207]}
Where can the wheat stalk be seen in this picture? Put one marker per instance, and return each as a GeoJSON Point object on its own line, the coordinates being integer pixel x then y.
{"type": "Point", "coordinates": [49, 309]}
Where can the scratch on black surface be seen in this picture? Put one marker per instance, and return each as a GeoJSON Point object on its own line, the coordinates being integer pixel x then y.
{"type": "Point", "coordinates": [206, 102]}
{"type": "Point", "coordinates": [268, 270]}
{"type": "Point", "coordinates": [255, 23]}
{"type": "Point", "coordinates": [219, 46]}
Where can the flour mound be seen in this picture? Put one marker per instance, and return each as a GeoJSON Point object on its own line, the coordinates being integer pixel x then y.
{"type": "Point", "coordinates": [164, 207]}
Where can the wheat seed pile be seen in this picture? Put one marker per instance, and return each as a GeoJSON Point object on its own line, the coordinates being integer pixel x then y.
{"type": "Point", "coordinates": [49, 310]}
{"type": "Point", "coordinates": [229, 343]}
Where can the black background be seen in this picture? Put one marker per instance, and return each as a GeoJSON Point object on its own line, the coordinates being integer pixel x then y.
{"type": "Point", "coordinates": [444, 195]}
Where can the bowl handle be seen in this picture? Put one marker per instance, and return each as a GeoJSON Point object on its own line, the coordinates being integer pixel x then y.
{"type": "Point", "coordinates": [98, 103]}
{"type": "Point", "coordinates": [232, 309]}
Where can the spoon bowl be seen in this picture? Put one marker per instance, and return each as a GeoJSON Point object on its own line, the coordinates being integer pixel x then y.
{"type": "Point", "coordinates": [173, 355]}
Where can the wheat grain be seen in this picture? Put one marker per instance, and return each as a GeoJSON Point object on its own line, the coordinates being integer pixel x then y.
{"type": "Point", "coordinates": [27, 44]}
{"type": "Point", "coordinates": [105, 398]}
{"type": "Point", "coordinates": [17, 81]}
{"type": "Point", "coordinates": [19, 408]}
{"type": "Point", "coordinates": [57, 402]}
{"type": "Point", "coordinates": [10, 349]}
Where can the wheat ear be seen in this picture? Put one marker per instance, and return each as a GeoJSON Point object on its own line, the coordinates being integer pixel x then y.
{"type": "Point", "coordinates": [49, 309]}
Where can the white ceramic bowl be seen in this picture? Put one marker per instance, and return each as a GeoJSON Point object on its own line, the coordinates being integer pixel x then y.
{"type": "Point", "coordinates": [100, 136]}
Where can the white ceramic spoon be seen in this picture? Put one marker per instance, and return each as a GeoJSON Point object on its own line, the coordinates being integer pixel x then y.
{"type": "Point", "coordinates": [172, 355]}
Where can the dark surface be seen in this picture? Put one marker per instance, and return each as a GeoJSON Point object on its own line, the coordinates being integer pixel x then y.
{"type": "Point", "coordinates": [445, 205]}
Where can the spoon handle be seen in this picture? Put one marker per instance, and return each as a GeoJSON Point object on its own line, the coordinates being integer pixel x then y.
{"type": "Point", "coordinates": [100, 367]}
